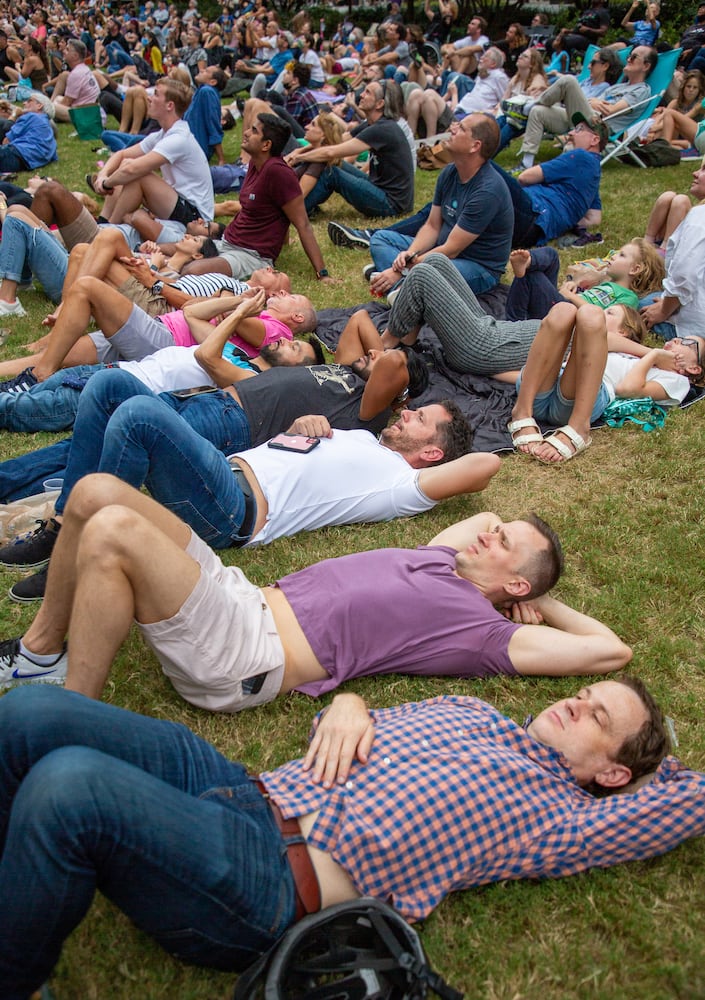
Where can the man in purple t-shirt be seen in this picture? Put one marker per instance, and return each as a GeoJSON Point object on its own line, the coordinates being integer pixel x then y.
{"type": "Point", "coordinates": [472, 603]}
{"type": "Point", "coordinates": [270, 199]}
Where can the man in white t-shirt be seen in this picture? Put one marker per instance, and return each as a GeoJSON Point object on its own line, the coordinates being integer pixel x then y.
{"type": "Point", "coordinates": [462, 56]}
{"type": "Point", "coordinates": [129, 179]}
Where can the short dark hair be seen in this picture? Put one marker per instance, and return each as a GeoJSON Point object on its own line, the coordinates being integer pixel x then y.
{"type": "Point", "coordinates": [644, 750]}
{"type": "Point", "coordinates": [226, 119]}
{"type": "Point", "coordinates": [486, 130]}
{"type": "Point", "coordinates": [275, 131]}
{"type": "Point", "coordinates": [544, 567]}
{"type": "Point", "coordinates": [302, 72]}
{"type": "Point", "coordinates": [209, 249]}
{"type": "Point", "coordinates": [454, 436]}
{"type": "Point", "coordinates": [418, 373]}
{"type": "Point", "coordinates": [220, 79]}
{"type": "Point", "coordinates": [319, 356]}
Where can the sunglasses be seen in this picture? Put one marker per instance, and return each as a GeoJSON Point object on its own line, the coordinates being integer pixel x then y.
{"type": "Point", "coordinates": [691, 342]}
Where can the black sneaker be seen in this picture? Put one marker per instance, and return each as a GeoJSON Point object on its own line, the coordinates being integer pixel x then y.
{"type": "Point", "coordinates": [31, 588]}
{"type": "Point", "coordinates": [32, 550]}
{"type": "Point", "coordinates": [20, 383]}
{"type": "Point", "coordinates": [346, 236]}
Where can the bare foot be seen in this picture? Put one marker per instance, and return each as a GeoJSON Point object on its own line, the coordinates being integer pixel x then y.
{"type": "Point", "coordinates": [520, 260]}
{"type": "Point", "coordinates": [231, 207]}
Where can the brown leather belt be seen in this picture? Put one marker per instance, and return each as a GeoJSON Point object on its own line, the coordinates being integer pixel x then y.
{"type": "Point", "coordinates": [308, 892]}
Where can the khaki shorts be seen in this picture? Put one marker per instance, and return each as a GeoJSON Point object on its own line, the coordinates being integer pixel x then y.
{"type": "Point", "coordinates": [221, 650]}
{"type": "Point", "coordinates": [150, 302]}
{"type": "Point", "coordinates": [84, 229]}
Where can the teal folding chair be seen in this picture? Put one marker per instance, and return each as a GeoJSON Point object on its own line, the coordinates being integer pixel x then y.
{"type": "Point", "coordinates": [659, 79]}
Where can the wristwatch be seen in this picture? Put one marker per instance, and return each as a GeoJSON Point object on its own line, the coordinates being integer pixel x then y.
{"type": "Point", "coordinates": [323, 273]}
{"type": "Point", "coordinates": [157, 287]}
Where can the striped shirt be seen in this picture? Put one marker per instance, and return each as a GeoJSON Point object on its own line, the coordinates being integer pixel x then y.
{"type": "Point", "coordinates": [204, 285]}
{"type": "Point", "coordinates": [456, 795]}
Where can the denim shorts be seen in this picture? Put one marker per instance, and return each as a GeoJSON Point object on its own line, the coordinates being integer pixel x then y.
{"type": "Point", "coordinates": [553, 409]}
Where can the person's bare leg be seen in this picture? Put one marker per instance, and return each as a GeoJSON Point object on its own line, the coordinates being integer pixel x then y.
{"type": "Point", "coordinates": [72, 567]}
{"type": "Point", "coordinates": [656, 225]}
{"type": "Point", "coordinates": [126, 116]}
{"type": "Point", "coordinates": [107, 248]}
{"type": "Point", "coordinates": [432, 109]}
{"type": "Point", "coordinates": [8, 290]}
{"type": "Point", "coordinates": [89, 298]}
{"type": "Point", "coordinates": [54, 204]}
{"type": "Point", "coordinates": [151, 191]}
{"type": "Point", "coordinates": [140, 105]}
{"type": "Point", "coordinates": [144, 222]}
{"type": "Point", "coordinates": [413, 110]}
{"type": "Point", "coordinates": [581, 377]}
{"type": "Point", "coordinates": [543, 364]}
{"type": "Point", "coordinates": [680, 206]}
{"type": "Point", "coordinates": [676, 123]}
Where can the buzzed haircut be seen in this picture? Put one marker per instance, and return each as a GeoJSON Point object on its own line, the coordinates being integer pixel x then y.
{"type": "Point", "coordinates": [486, 130]}
{"type": "Point", "coordinates": [544, 567]}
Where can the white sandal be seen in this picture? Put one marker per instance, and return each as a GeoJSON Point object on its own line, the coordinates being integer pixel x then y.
{"type": "Point", "coordinates": [517, 425]}
{"type": "Point", "coordinates": [566, 453]}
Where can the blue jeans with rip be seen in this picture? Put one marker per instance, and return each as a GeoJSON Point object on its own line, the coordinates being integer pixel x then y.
{"type": "Point", "coordinates": [352, 185]}
{"type": "Point", "coordinates": [172, 445]}
{"type": "Point", "coordinates": [23, 244]}
{"type": "Point", "coordinates": [115, 141]}
{"type": "Point", "coordinates": [386, 244]}
{"type": "Point", "coordinates": [177, 836]}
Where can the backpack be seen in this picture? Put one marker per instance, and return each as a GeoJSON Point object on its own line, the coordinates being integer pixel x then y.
{"type": "Point", "coordinates": [658, 153]}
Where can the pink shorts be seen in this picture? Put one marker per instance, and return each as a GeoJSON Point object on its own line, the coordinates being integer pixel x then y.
{"type": "Point", "coordinates": [221, 650]}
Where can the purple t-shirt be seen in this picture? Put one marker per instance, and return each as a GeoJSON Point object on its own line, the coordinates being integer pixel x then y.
{"type": "Point", "coordinates": [401, 611]}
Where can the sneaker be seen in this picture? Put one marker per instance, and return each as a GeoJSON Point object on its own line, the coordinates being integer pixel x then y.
{"type": "Point", "coordinates": [368, 270]}
{"type": "Point", "coordinates": [31, 588]}
{"type": "Point", "coordinates": [346, 236]}
{"type": "Point", "coordinates": [392, 295]}
{"type": "Point", "coordinates": [585, 238]}
{"type": "Point", "coordinates": [20, 383]}
{"type": "Point", "coordinates": [16, 668]}
{"type": "Point", "coordinates": [11, 308]}
{"type": "Point", "coordinates": [34, 549]}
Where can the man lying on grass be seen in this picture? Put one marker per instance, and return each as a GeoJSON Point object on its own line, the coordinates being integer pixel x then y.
{"type": "Point", "coordinates": [406, 804]}
{"type": "Point", "coordinates": [470, 604]}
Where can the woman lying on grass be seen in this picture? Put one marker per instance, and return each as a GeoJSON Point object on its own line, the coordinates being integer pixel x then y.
{"type": "Point", "coordinates": [607, 361]}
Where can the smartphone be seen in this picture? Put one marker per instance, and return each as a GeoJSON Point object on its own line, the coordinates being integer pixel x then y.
{"type": "Point", "coordinates": [294, 442]}
{"type": "Point", "coordinates": [196, 390]}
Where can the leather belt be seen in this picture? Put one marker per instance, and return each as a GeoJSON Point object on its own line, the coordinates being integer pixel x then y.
{"type": "Point", "coordinates": [308, 892]}
{"type": "Point", "coordinates": [248, 521]}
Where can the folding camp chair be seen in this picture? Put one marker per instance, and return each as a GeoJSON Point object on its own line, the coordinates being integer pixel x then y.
{"type": "Point", "coordinates": [659, 79]}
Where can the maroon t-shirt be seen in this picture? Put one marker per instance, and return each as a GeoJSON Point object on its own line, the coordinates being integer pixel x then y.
{"type": "Point", "coordinates": [261, 224]}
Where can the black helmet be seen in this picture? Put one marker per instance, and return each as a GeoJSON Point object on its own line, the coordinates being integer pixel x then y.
{"type": "Point", "coordinates": [360, 950]}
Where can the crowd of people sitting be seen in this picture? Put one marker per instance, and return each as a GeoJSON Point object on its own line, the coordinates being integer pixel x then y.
{"type": "Point", "coordinates": [205, 415]}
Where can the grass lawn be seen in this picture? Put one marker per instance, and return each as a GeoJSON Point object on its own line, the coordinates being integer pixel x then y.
{"type": "Point", "coordinates": [630, 513]}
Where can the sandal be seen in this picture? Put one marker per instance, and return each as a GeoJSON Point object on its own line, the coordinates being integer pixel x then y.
{"type": "Point", "coordinates": [579, 444]}
{"type": "Point", "coordinates": [534, 437]}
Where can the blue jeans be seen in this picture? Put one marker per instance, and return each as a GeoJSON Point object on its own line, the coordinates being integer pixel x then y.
{"type": "Point", "coordinates": [116, 141]}
{"type": "Point", "coordinates": [176, 835]}
{"type": "Point", "coordinates": [665, 330]}
{"type": "Point", "coordinates": [386, 244]}
{"type": "Point", "coordinates": [534, 295]}
{"type": "Point", "coordinates": [122, 428]}
{"type": "Point", "coordinates": [46, 257]}
{"type": "Point", "coordinates": [48, 406]}
{"type": "Point", "coordinates": [24, 476]}
{"type": "Point", "coordinates": [117, 57]}
{"type": "Point", "coordinates": [355, 187]}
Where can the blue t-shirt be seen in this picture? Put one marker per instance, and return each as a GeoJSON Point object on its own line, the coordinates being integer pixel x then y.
{"type": "Point", "coordinates": [571, 185]}
{"type": "Point", "coordinates": [483, 206]}
{"type": "Point", "coordinates": [33, 138]}
{"type": "Point", "coordinates": [644, 33]}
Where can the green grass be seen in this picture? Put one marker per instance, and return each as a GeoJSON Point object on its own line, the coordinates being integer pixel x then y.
{"type": "Point", "coordinates": [630, 512]}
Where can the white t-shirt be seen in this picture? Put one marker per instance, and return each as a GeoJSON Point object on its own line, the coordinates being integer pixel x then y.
{"type": "Point", "coordinates": [465, 43]}
{"type": "Point", "coordinates": [619, 365]}
{"type": "Point", "coordinates": [310, 58]}
{"type": "Point", "coordinates": [346, 479]}
{"type": "Point", "coordinates": [685, 273]}
{"type": "Point", "coordinates": [486, 94]}
{"type": "Point", "coordinates": [186, 169]}
{"type": "Point", "coordinates": [169, 369]}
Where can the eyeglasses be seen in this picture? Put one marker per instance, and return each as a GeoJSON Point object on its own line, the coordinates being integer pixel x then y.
{"type": "Point", "coordinates": [582, 127]}
{"type": "Point", "coordinates": [691, 342]}
{"type": "Point", "coordinates": [632, 58]}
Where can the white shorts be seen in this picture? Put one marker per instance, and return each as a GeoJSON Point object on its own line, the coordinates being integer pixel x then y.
{"type": "Point", "coordinates": [221, 650]}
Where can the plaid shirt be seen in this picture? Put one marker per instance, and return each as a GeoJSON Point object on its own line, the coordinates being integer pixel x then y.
{"type": "Point", "coordinates": [302, 105]}
{"type": "Point", "coordinates": [455, 795]}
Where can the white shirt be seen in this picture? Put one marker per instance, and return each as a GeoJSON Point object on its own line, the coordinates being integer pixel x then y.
{"type": "Point", "coordinates": [685, 273]}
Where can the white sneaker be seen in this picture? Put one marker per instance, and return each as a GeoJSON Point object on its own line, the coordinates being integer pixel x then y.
{"type": "Point", "coordinates": [11, 308]}
{"type": "Point", "coordinates": [391, 295]}
{"type": "Point", "coordinates": [16, 668]}
{"type": "Point", "coordinates": [368, 271]}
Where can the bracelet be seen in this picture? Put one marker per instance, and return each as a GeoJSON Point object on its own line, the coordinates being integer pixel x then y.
{"type": "Point", "coordinates": [322, 274]}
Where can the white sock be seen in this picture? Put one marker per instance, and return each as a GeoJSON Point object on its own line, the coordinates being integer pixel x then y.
{"type": "Point", "coordinates": [527, 160]}
{"type": "Point", "coordinates": [38, 658]}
